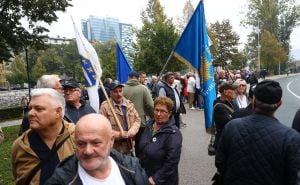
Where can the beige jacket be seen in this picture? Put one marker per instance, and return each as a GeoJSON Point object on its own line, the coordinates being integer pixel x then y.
{"type": "Point", "coordinates": [24, 158]}
{"type": "Point", "coordinates": [133, 121]}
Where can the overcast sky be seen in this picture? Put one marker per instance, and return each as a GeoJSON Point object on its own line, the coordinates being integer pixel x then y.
{"type": "Point", "coordinates": [128, 11]}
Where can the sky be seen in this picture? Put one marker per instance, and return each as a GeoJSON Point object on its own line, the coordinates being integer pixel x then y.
{"type": "Point", "coordinates": [129, 12]}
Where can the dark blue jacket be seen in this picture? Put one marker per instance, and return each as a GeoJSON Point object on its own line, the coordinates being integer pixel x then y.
{"type": "Point", "coordinates": [73, 114]}
{"type": "Point", "coordinates": [161, 152]}
{"type": "Point", "coordinates": [131, 171]}
{"type": "Point", "coordinates": [258, 150]}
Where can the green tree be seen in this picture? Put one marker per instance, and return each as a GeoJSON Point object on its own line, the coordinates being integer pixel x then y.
{"type": "Point", "coordinates": [38, 70]}
{"type": "Point", "coordinates": [13, 36]}
{"type": "Point", "coordinates": [17, 71]}
{"type": "Point", "coordinates": [225, 42]}
{"type": "Point", "coordinates": [107, 54]}
{"type": "Point", "coordinates": [155, 41]}
{"type": "Point", "coordinates": [51, 59]}
{"type": "Point", "coordinates": [187, 13]}
{"type": "Point", "coordinates": [71, 60]}
{"type": "Point", "coordinates": [279, 17]}
{"type": "Point", "coordinates": [239, 60]}
{"type": "Point", "coordinates": [272, 52]}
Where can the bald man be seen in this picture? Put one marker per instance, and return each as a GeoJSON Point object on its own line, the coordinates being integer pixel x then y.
{"type": "Point", "coordinates": [95, 161]}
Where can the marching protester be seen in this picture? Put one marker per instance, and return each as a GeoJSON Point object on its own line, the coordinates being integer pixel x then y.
{"type": "Point", "coordinates": [45, 81]}
{"type": "Point", "coordinates": [160, 145]}
{"type": "Point", "coordinates": [95, 161]}
{"type": "Point", "coordinates": [142, 77]}
{"type": "Point", "coordinates": [223, 108]}
{"type": "Point", "coordinates": [49, 140]}
{"type": "Point", "coordinates": [142, 100]}
{"type": "Point", "coordinates": [258, 149]}
{"type": "Point", "coordinates": [191, 89]}
{"type": "Point", "coordinates": [126, 115]}
{"type": "Point", "coordinates": [242, 112]}
{"type": "Point", "coordinates": [75, 106]}
{"type": "Point", "coordinates": [241, 93]}
{"type": "Point", "coordinates": [168, 90]}
{"type": "Point", "coordinates": [296, 121]}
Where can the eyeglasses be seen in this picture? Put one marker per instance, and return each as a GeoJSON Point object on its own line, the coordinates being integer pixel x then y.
{"type": "Point", "coordinates": [156, 111]}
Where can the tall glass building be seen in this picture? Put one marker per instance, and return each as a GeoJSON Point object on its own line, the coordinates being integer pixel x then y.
{"type": "Point", "coordinates": [105, 29]}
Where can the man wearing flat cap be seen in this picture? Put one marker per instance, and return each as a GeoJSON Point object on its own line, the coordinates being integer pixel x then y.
{"type": "Point", "coordinates": [258, 149]}
{"type": "Point", "coordinates": [75, 107]}
{"type": "Point", "coordinates": [127, 116]}
{"type": "Point", "coordinates": [223, 108]}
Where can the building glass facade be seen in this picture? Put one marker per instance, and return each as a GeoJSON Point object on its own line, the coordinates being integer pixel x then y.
{"type": "Point", "coordinates": [105, 29]}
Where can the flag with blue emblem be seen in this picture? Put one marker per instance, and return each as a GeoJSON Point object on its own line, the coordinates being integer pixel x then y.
{"type": "Point", "coordinates": [193, 49]}
{"type": "Point", "coordinates": [90, 66]}
{"type": "Point", "coordinates": [123, 67]}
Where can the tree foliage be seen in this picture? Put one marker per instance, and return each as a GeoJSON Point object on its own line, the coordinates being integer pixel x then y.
{"type": "Point", "coordinates": [155, 41]}
{"type": "Point", "coordinates": [272, 52]}
{"type": "Point", "coordinates": [107, 53]}
{"type": "Point", "coordinates": [14, 37]}
{"type": "Point", "coordinates": [225, 42]}
{"type": "Point", "coordinates": [17, 74]}
{"type": "Point", "coordinates": [38, 70]}
{"type": "Point", "coordinates": [279, 17]}
{"type": "Point", "coordinates": [187, 13]}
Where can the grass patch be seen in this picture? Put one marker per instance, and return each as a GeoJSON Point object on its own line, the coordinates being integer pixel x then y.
{"type": "Point", "coordinates": [10, 134]}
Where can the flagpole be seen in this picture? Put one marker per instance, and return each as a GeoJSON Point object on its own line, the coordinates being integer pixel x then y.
{"type": "Point", "coordinates": [101, 85]}
{"type": "Point", "coordinates": [164, 67]}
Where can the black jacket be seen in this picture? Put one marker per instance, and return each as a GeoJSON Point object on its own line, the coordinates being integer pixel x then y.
{"type": "Point", "coordinates": [258, 150]}
{"type": "Point", "coordinates": [160, 154]}
{"type": "Point", "coordinates": [243, 112]}
{"type": "Point", "coordinates": [73, 114]}
{"type": "Point", "coordinates": [296, 121]}
{"type": "Point", "coordinates": [222, 114]}
{"type": "Point", "coordinates": [67, 171]}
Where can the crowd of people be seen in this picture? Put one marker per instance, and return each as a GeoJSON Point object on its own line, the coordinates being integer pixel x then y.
{"type": "Point", "coordinates": [251, 145]}
{"type": "Point", "coordinates": [134, 139]}
{"type": "Point", "coordinates": [135, 136]}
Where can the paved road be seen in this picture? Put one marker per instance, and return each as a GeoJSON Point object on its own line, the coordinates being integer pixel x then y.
{"type": "Point", "coordinates": [290, 99]}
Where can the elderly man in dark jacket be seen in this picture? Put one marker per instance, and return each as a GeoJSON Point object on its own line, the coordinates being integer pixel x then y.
{"type": "Point", "coordinates": [258, 149]}
{"type": "Point", "coordinates": [95, 160]}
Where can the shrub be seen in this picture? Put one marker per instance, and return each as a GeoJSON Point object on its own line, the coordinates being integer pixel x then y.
{"type": "Point", "coordinates": [11, 113]}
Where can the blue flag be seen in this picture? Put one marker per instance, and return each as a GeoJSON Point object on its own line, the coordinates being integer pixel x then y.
{"type": "Point", "coordinates": [123, 68]}
{"type": "Point", "coordinates": [193, 49]}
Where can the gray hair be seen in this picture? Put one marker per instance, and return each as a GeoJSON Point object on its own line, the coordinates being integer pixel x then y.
{"type": "Point", "coordinates": [47, 81]}
{"type": "Point", "coordinates": [58, 99]}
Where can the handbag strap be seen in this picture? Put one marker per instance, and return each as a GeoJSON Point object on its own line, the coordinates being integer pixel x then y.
{"type": "Point", "coordinates": [43, 162]}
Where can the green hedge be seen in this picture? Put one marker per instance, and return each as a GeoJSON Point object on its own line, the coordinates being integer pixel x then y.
{"type": "Point", "coordinates": [11, 113]}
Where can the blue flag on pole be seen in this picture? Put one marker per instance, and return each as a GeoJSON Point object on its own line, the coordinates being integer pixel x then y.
{"type": "Point", "coordinates": [91, 67]}
{"type": "Point", "coordinates": [123, 68]}
{"type": "Point", "coordinates": [193, 48]}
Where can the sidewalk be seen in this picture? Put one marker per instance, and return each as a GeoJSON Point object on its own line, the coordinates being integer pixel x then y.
{"type": "Point", "coordinates": [10, 123]}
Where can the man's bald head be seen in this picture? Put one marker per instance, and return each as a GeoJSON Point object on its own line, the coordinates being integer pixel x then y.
{"type": "Point", "coordinates": [93, 122]}
{"type": "Point", "coordinates": [94, 140]}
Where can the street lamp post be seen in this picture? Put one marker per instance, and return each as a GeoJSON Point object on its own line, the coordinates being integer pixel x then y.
{"type": "Point", "coordinates": [258, 42]}
{"type": "Point", "coordinates": [28, 75]}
